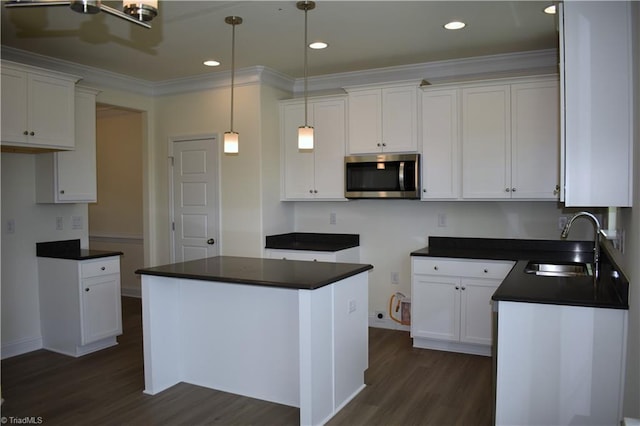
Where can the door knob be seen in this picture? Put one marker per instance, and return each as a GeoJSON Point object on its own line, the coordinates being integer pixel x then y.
{"type": "Point", "coordinates": [211, 241]}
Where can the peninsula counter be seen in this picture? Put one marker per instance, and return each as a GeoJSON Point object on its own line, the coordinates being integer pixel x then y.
{"type": "Point", "coordinates": [285, 331]}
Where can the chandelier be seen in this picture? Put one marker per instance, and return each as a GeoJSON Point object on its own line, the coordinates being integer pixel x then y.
{"type": "Point", "coordinates": [137, 11]}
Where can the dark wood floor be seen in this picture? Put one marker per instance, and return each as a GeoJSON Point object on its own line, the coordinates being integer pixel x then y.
{"type": "Point", "coordinates": [405, 386]}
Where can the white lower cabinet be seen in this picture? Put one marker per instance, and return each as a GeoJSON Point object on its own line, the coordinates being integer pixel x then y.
{"type": "Point", "coordinates": [351, 255]}
{"type": "Point", "coordinates": [451, 302]}
{"type": "Point", "coordinates": [80, 307]}
{"type": "Point", "coordinates": [559, 364]}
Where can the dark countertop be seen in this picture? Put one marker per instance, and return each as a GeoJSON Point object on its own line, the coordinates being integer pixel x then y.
{"type": "Point", "coordinates": [518, 286]}
{"type": "Point", "coordinates": [290, 274]}
{"type": "Point", "coordinates": [312, 241]}
{"type": "Point", "coordinates": [70, 249]}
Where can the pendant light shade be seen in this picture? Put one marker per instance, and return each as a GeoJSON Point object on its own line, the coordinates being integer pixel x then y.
{"type": "Point", "coordinates": [305, 137]}
{"type": "Point", "coordinates": [230, 142]}
{"type": "Point", "coordinates": [231, 145]}
{"type": "Point", "coordinates": [305, 133]}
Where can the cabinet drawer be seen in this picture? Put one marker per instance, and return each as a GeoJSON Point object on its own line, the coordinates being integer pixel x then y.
{"type": "Point", "coordinates": [493, 269]}
{"type": "Point", "coordinates": [98, 267]}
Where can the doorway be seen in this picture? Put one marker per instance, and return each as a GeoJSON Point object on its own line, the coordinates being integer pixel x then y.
{"type": "Point", "coordinates": [116, 220]}
{"type": "Point", "coordinates": [194, 181]}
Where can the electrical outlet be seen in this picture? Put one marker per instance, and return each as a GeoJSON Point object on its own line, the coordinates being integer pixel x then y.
{"type": "Point", "coordinates": [442, 220]}
{"type": "Point", "coordinates": [76, 222]}
{"type": "Point", "coordinates": [562, 222]}
{"type": "Point", "coordinates": [352, 306]}
{"type": "Point", "coordinates": [379, 316]}
{"type": "Point", "coordinates": [11, 226]}
{"type": "Point", "coordinates": [395, 278]}
{"type": "Point", "coordinates": [59, 223]}
{"type": "Point", "coordinates": [332, 218]}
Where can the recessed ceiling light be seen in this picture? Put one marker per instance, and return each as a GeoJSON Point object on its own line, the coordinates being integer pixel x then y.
{"type": "Point", "coordinates": [455, 25]}
{"type": "Point", "coordinates": [318, 45]}
{"type": "Point", "coordinates": [551, 9]}
{"type": "Point", "coordinates": [211, 63]}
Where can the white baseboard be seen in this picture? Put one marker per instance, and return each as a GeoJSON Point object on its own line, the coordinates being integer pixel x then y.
{"type": "Point", "coordinates": [387, 323]}
{"type": "Point", "coordinates": [20, 347]}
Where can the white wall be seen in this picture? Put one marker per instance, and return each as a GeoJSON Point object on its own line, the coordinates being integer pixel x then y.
{"type": "Point", "coordinates": [630, 221]}
{"type": "Point", "coordinates": [391, 229]}
{"type": "Point", "coordinates": [33, 223]}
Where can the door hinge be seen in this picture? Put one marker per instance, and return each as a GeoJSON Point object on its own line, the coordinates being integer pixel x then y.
{"type": "Point", "coordinates": [173, 226]}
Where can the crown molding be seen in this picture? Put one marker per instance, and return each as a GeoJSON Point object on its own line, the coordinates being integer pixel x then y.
{"type": "Point", "coordinates": [105, 79]}
{"type": "Point", "coordinates": [480, 67]}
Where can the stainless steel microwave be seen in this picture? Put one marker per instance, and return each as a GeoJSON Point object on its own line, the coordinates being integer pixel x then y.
{"type": "Point", "coordinates": [382, 176]}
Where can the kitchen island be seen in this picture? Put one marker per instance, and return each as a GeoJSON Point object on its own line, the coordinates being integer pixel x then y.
{"type": "Point", "coordinates": [285, 331]}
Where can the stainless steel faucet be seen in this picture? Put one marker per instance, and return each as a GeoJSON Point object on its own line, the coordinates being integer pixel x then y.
{"type": "Point", "coordinates": [596, 238]}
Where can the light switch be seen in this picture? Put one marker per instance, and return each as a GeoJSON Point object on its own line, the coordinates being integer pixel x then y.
{"type": "Point", "coordinates": [11, 226]}
{"type": "Point", "coordinates": [59, 223]}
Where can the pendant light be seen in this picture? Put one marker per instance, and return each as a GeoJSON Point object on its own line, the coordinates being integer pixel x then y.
{"type": "Point", "coordinates": [231, 137]}
{"type": "Point", "coordinates": [305, 133]}
{"type": "Point", "coordinates": [139, 12]}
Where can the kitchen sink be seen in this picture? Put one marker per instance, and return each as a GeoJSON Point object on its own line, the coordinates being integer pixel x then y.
{"type": "Point", "coordinates": [558, 269]}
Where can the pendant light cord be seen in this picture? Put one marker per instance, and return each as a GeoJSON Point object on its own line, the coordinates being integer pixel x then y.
{"type": "Point", "coordinates": [305, 66]}
{"type": "Point", "coordinates": [233, 66]}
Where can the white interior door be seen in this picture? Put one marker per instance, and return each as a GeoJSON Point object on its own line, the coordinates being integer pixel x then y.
{"type": "Point", "coordinates": [195, 204]}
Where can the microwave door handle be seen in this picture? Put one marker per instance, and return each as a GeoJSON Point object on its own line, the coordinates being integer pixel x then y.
{"type": "Point", "coordinates": [401, 175]}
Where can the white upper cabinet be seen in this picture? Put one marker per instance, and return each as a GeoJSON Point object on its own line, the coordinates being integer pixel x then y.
{"type": "Point", "coordinates": [596, 70]}
{"type": "Point", "coordinates": [383, 119]}
{"type": "Point", "coordinates": [535, 136]}
{"type": "Point", "coordinates": [70, 176]}
{"type": "Point", "coordinates": [510, 140]}
{"type": "Point", "coordinates": [486, 143]}
{"type": "Point", "coordinates": [440, 143]}
{"type": "Point", "coordinates": [37, 108]}
{"type": "Point", "coordinates": [316, 174]}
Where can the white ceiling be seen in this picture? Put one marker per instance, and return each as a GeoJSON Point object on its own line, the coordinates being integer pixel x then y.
{"type": "Point", "coordinates": [361, 35]}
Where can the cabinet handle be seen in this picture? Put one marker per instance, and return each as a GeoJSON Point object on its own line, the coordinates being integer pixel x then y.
{"type": "Point", "coordinates": [513, 190]}
{"type": "Point", "coordinates": [103, 268]}
{"type": "Point", "coordinates": [435, 268]}
{"type": "Point", "coordinates": [464, 288]}
{"type": "Point", "coordinates": [32, 133]}
{"type": "Point", "coordinates": [311, 191]}
{"type": "Point", "coordinates": [486, 270]}
{"type": "Point", "coordinates": [62, 191]}
{"type": "Point", "coordinates": [315, 191]}
{"type": "Point", "coordinates": [378, 144]}
{"type": "Point", "coordinates": [384, 144]}
{"type": "Point", "coordinates": [86, 289]}
{"type": "Point", "coordinates": [25, 133]}
{"type": "Point", "coordinates": [507, 190]}
{"type": "Point", "coordinates": [457, 288]}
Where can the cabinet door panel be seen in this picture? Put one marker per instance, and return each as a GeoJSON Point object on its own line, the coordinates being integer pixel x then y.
{"type": "Point", "coordinates": [298, 164]}
{"type": "Point", "coordinates": [76, 170]}
{"type": "Point", "coordinates": [101, 317]}
{"type": "Point", "coordinates": [365, 126]}
{"type": "Point", "coordinates": [435, 308]}
{"type": "Point", "coordinates": [535, 137]}
{"type": "Point", "coordinates": [399, 119]}
{"type": "Point", "coordinates": [440, 144]}
{"type": "Point", "coordinates": [51, 111]}
{"type": "Point", "coordinates": [486, 143]}
{"type": "Point", "coordinates": [330, 133]}
{"type": "Point", "coordinates": [475, 323]}
{"type": "Point", "coordinates": [14, 106]}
